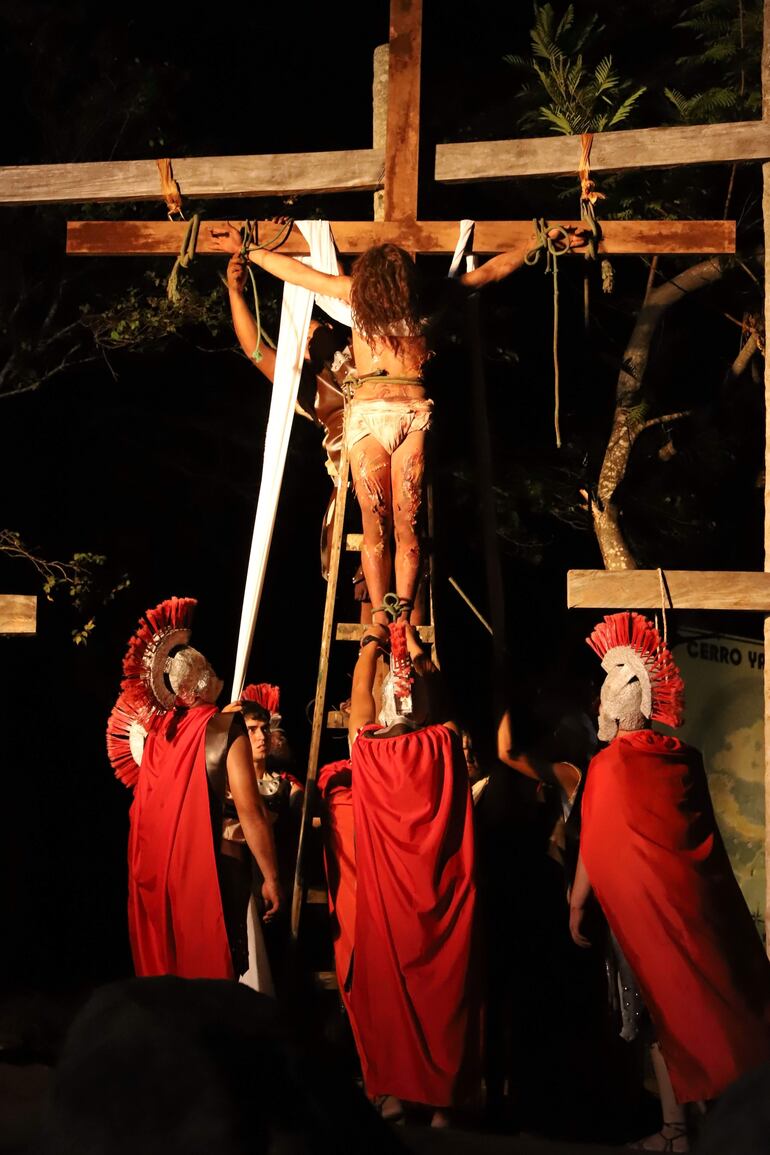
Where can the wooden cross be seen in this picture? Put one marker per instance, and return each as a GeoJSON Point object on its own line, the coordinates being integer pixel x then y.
{"type": "Point", "coordinates": [395, 169]}
{"type": "Point", "coordinates": [18, 614]}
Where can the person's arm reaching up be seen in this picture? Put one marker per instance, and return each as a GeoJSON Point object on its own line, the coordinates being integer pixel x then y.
{"type": "Point", "coordinates": [244, 321]}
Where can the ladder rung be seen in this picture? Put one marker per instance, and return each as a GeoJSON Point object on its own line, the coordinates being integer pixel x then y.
{"type": "Point", "coordinates": [327, 980]}
{"type": "Point", "coordinates": [337, 720]}
{"type": "Point", "coordinates": [354, 631]}
{"type": "Point", "coordinates": [317, 895]}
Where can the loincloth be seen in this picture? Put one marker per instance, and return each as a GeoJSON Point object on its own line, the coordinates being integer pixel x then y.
{"type": "Point", "coordinates": [388, 422]}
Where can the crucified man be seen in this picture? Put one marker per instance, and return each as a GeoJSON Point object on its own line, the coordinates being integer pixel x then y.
{"type": "Point", "coordinates": [389, 412]}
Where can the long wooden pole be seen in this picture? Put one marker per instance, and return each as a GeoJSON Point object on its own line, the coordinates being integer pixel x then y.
{"type": "Point", "coordinates": [766, 219]}
{"type": "Point", "coordinates": [319, 716]}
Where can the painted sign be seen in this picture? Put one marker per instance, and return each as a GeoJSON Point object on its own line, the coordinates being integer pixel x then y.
{"type": "Point", "coordinates": [724, 720]}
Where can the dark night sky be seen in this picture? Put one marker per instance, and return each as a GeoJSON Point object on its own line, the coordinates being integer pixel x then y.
{"type": "Point", "coordinates": [158, 469]}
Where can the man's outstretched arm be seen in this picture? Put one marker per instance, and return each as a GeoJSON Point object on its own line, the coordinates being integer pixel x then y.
{"type": "Point", "coordinates": [289, 269]}
{"type": "Point", "coordinates": [501, 266]}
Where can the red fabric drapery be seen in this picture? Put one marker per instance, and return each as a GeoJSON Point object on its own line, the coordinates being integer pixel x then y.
{"type": "Point", "coordinates": [176, 923]}
{"type": "Point", "coordinates": [411, 999]}
{"type": "Point", "coordinates": [334, 784]}
{"type": "Point", "coordinates": [655, 858]}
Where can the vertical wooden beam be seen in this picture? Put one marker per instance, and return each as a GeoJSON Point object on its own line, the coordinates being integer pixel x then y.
{"type": "Point", "coordinates": [319, 717]}
{"type": "Point", "coordinates": [380, 115]}
{"type": "Point", "coordinates": [766, 219]}
{"type": "Point", "coordinates": [403, 132]}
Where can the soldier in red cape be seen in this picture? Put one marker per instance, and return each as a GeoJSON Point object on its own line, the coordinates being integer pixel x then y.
{"type": "Point", "coordinates": [167, 740]}
{"type": "Point", "coordinates": [651, 852]}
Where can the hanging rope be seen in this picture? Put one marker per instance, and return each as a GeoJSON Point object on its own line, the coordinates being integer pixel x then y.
{"type": "Point", "coordinates": [589, 195]}
{"type": "Point", "coordinates": [186, 256]}
{"type": "Point", "coordinates": [170, 190]}
{"type": "Point", "coordinates": [588, 198]}
{"type": "Point", "coordinates": [553, 240]}
{"type": "Point", "coordinates": [250, 241]}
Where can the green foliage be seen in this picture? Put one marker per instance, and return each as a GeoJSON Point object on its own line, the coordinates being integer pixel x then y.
{"type": "Point", "coordinates": [728, 35]}
{"type": "Point", "coordinates": [579, 98]}
{"type": "Point", "coordinates": [81, 579]}
{"type": "Point", "coordinates": [143, 316]}
{"type": "Point", "coordinates": [48, 329]}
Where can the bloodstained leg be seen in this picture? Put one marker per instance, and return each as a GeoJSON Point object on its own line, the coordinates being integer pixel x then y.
{"type": "Point", "coordinates": [370, 466]}
{"type": "Point", "coordinates": [408, 481]}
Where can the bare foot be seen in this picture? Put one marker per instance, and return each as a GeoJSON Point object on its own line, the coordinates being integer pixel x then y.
{"type": "Point", "coordinates": [672, 1137]}
{"type": "Point", "coordinates": [440, 1118]}
{"type": "Point", "coordinates": [389, 1107]}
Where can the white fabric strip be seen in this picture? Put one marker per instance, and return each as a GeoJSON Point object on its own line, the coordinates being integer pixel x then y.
{"type": "Point", "coordinates": [466, 229]}
{"type": "Point", "coordinates": [292, 340]}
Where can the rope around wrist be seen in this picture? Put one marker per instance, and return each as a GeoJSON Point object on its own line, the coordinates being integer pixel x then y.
{"type": "Point", "coordinates": [249, 241]}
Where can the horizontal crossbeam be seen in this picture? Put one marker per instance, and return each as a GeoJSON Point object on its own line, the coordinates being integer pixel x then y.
{"type": "Point", "coordinates": [685, 590]}
{"type": "Point", "coordinates": [138, 238]}
{"type": "Point", "coordinates": [616, 151]}
{"type": "Point", "coordinates": [18, 613]}
{"type": "Point", "coordinates": [278, 174]}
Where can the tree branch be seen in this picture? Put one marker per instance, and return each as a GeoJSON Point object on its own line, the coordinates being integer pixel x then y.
{"type": "Point", "coordinates": [663, 420]}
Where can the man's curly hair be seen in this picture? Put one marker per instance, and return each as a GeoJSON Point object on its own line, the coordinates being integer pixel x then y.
{"type": "Point", "coordinates": [385, 296]}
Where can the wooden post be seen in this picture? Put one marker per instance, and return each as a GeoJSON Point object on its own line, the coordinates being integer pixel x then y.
{"type": "Point", "coordinates": [17, 614]}
{"type": "Point", "coordinates": [308, 808]}
{"type": "Point", "coordinates": [380, 116]}
{"type": "Point", "coordinates": [766, 220]}
{"type": "Point", "coordinates": [403, 134]}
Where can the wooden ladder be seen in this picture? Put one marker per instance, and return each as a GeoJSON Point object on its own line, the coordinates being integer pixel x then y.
{"type": "Point", "coordinates": [334, 630]}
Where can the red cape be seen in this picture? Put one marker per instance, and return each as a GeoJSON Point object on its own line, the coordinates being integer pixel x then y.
{"type": "Point", "coordinates": [340, 859]}
{"type": "Point", "coordinates": [175, 919]}
{"type": "Point", "coordinates": [411, 1001]}
{"type": "Point", "coordinates": [658, 866]}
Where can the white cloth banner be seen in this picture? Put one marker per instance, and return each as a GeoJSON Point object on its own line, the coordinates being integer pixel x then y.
{"type": "Point", "coordinates": [290, 352]}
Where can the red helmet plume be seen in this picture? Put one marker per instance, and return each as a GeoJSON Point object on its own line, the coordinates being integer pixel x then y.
{"type": "Point", "coordinates": [630, 631]}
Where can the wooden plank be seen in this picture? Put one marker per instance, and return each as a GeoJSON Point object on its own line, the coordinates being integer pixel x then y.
{"type": "Point", "coordinates": [766, 676]}
{"type": "Point", "coordinates": [337, 720]}
{"type": "Point", "coordinates": [615, 151]}
{"type": "Point", "coordinates": [350, 170]}
{"type": "Point", "coordinates": [18, 614]}
{"type": "Point", "coordinates": [317, 896]}
{"type": "Point", "coordinates": [766, 217]}
{"type": "Point", "coordinates": [402, 139]}
{"type": "Point", "coordinates": [688, 589]}
{"type": "Point", "coordinates": [146, 238]}
{"type": "Point", "coordinates": [354, 631]}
